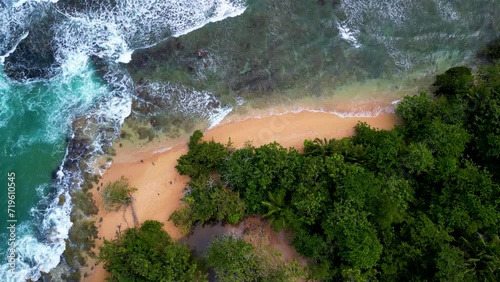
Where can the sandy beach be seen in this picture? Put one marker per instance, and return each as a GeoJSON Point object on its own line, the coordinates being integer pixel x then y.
{"type": "Point", "coordinates": [160, 187]}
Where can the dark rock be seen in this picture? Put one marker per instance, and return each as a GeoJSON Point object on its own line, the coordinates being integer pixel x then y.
{"type": "Point", "coordinates": [191, 67]}
{"type": "Point", "coordinates": [201, 53]}
{"type": "Point", "coordinates": [34, 56]}
{"type": "Point", "coordinates": [253, 81]}
{"type": "Point", "coordinates": [100, 65]}
{"type": "Point", "coordinates": [78, 147]}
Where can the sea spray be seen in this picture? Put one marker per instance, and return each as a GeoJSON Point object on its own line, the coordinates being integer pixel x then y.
{"type": "Point", "coordinates": [41, 240]}
{"type": "Point", "coordinates": [73, 91]}
{"type": "Point", "coordinates": [111, 32]}
{"type": "Point", "coordinates": [396, 26]}
{"type": "Point", "coordinates": [181, 101]}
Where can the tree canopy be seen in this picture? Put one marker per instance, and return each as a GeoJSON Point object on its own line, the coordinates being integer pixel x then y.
{"type": "Point", "coordinates": [148, 254]}
{"type": "Point", "coordinates": [233, 259]}
{"type": "Point", "coordinates": [416, 203]}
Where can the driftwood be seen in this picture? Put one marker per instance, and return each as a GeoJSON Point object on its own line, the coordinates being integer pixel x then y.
{"type": "Point", "coordinates": [134, 215]}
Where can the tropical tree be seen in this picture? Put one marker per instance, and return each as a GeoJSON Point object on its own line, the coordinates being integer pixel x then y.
{"type": "Point", "coordinates": [482, 256]}
{"type": "Point", "coordinates": [356, 237]}
{"type": "Point", "coordinates": [148, 254]}
{"type": "Point", "coordinates": [456, 81]}
{"type": "Point", "coordinates": [233, 259]}
{"type": "Point", "coordinates": [276, 211]}
{"type": "Point", "coordinates": [117, 194]}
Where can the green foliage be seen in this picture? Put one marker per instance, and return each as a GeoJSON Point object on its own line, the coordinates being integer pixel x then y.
{"type": "Point", "coordinates": [232, 259]}
{"type": "Point", "coordinates": [255, 171]}
{"type": "Point", "coordinates": [355, 235]}
{"type": "Point", "coordinates": [492, 51]}
{"type": "Point", "coordinates": [208, 201]}
{"type": "Point", "coordinates": [276, 210]}
{"type": "Point", "coordinates": [195, 139]}
{"type": "Point", "coordinates": [418, 158]}
{"type": "Point", "coordinates": [117, 194]}
{"type": "Point", "coordinates": [456, 81]}
{"type": "Point", "coordinates": [417, 203]}
{"type": "Point", "coordinates": [482, 255]}
{"type": "Point", "coordinates": [381, 148]}
{"type": "Point", "coordinates": [393, 201]}
{"type": "Point", "coordinates": [452, 266]}
{"type": "Point", "coordinates": [148, 254]}
{"type": "Point", "coordinates": [311, 245]}
{"type": "Point", "coordinates": [447, 142]}
{"type": "Point", "coordinates": [203, 157]}
{"type": "Point", "coordinates": [484, 119]}
{"type": "Point", "coordinates": [465, 204]}
{"type": "Point", "coordinates": [415, 113]}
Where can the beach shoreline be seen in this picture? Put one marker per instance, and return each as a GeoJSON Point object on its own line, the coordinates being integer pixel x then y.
{"type": "Point", "coordinates": [151, 168]}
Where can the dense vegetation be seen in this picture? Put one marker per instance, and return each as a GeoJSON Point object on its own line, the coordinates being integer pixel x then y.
{"type": "Point", "coordinates": [148, 254]}
{"type": "Point", "coordinates": [233, 259]}
{"type": "Point", "coordinates": [417, 203]}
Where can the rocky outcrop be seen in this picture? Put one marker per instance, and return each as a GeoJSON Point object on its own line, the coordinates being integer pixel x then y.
{"type": "Point", "coordinates": [34, 56]}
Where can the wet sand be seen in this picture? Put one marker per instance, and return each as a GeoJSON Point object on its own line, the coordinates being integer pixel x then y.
{"type": "Point", "coordinates": [160, 187]}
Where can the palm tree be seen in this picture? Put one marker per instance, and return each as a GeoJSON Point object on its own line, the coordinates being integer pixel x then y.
{"type": "Point", "coordinates": [276, 210]}
{"type": "Point", "coordinates": [483, 256]}
{"type": "Point", "coordinates": [319, 147]}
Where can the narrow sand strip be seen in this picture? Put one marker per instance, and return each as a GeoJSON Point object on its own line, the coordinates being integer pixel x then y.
{"type": "Point", "coordinates": [160, 187]}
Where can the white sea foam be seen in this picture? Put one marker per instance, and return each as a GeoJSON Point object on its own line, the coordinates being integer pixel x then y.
{"type": "Point", "coordinates": [216, 117]}
{"type": "Point", "coordinates": [111, 33]}
{"type": "Point", "coordinates": [446, 10]}
{"type": "Point", "coordinates": [348, 34]}
{"type": "Point", "coordinates": [76, 63]}
{"type": "Point", "coordinates": [361, 113]}
{"type": "Point", "coordinates": [413, 32]}
{"type": "Point", "coordinates": [14, 25]}
{"type": "Point", "coordinates": [125, 57]}
{"type": "Point", "coordinates": [180, 100]}
{"type": "Point", "coordinates": [6, 111]}
{"type": "Point", "coordinates": [35, 256]}
{"type": "Point", "coordinates": [21, 2]}
{"type": "Point", "coordinates": [219, 11]}
{"type": "Point", "coordinates": [21, 38]}
{"type": "Point", "coordinates": [162, 150]}
{"type": "Point", "coordinates": [375, 18]}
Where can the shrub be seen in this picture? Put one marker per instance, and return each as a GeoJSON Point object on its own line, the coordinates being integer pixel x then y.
{"type": "Point", "coordinates": [117, 194]}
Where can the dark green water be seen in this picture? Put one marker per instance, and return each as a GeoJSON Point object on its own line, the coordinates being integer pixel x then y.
{"type": "Point", "coordinates": [35, 119]}
{"type": "Point", "coordinates": [318, 46]}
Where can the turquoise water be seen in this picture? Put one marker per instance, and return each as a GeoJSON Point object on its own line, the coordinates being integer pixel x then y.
{"type": "Point", "coordinates": [275, 45]}
{"type": "Point", "coordinates": [35, 123]}
{"type": "Point", "coordinates": [36, 115]}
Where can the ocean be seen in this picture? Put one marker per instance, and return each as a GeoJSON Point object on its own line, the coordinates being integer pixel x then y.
{"type": "Point", "coordinates": [53, 53]}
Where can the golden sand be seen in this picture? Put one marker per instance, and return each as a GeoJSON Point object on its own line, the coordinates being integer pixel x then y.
{"type": "Point", "coordinates": [160, 187]}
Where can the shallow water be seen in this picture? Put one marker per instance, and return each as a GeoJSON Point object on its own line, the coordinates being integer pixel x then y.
{"type": "Point", "coordinates": [316, 47]}
{"type": "Point", "coordinates": [37, 113]}
{"type": "Point", "coordinates": [296, 48]}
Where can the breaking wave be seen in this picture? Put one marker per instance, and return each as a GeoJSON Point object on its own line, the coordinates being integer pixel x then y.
{"type": "Point", "coordinates": [110, 32]}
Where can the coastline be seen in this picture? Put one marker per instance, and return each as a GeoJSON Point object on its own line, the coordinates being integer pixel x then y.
{"type": "Point", "coordinates": [151, 169]}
